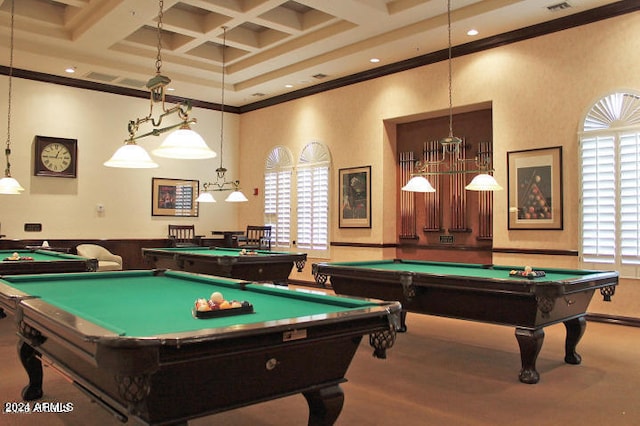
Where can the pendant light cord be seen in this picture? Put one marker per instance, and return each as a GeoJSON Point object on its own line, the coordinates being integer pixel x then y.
{"type": "Point", "coordinates": [7, 151]}
{"type": "Point", "coordinates": [450, 71]}
{"type": "Point", "coordinates": [224, 48]}
{"type": "Point", "coordinates": [159, 27]}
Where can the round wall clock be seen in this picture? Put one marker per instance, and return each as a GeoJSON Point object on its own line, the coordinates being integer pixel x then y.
{"type": "Point", "coordinates": [56, 157]}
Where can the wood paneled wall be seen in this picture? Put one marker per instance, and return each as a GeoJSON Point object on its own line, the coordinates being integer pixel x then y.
{"type": "Point", "coordinates": [129, 249]}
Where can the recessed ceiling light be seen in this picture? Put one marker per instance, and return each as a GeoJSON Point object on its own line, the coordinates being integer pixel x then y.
{"type": "Point", "coordinates": [288, 86]}
{"type": "Point", "coordinates": [70, 70]}
{"type": "Point", "coordinates": [170, 89]}
{"type": "Point", "coordinates": [374, 60]}
{"type": "Point", "coordinates": [472, 32]}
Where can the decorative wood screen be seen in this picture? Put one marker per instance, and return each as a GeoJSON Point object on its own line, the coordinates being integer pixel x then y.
{"type": "Point", "coordinates": [407, 199]}
{"type": "Point", "coordinates": [433, 216]}
{"type": "Point", "coordinates": [485, 201]}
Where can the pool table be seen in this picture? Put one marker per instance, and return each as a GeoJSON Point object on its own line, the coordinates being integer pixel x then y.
{"type": "Point", "coordinates": [44, 261]}
{"type": "Point", "coordinates": [131, 340]}
{"type": "Point", "coordinates": [262, 265]}
{"type": "Point", "coordinates": [487, 293]}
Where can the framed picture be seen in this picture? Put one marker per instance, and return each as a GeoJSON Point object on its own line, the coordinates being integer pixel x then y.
{"type": "Point", "coordinates": [355, 197]}
{"type": "Point", "coordinates": [174, 197]}
{"type": "Point", "coordinates": [535, 188]}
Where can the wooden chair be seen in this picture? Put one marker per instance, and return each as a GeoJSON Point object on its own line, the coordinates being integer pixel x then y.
{"type": "Point", "coordinates": [184, 236]}
{"type": "Point", "coordinates": [256, 238]}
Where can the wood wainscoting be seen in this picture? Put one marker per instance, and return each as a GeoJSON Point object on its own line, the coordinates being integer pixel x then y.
{"type": "Point", "coordinates": [129, 249]}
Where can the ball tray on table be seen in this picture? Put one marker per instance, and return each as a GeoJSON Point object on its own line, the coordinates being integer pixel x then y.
{"type": "Point", "coordinates": [246, 308]}
{"type": "Point", "coordinates": [529, 275]}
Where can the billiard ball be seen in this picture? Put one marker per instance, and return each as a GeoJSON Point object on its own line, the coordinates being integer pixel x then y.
{"type": "Point", "coordinates": [202, 305]}
{"type": "Point", "coordinates": [216, 297]}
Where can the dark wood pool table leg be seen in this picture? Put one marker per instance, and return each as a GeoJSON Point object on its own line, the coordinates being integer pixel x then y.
{"type": "Point", "coordinates": [575, 329]}
{"type": "Point", "coordinates": [403, 322]}
{"type": "Point", "coordinates": [33, 366]}
{"type": "Point", "coordinates": [530, 342]}
{"type": "Point", "coordinates": [325, 405]}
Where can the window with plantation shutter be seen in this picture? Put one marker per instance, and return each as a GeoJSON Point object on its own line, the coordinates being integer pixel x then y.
{"type": "Point", "coordinates": [312, 186]}
{"type": "Point", "coordinates": [610, 155]}
{"type": "Point", "coordinates": [277, 196]}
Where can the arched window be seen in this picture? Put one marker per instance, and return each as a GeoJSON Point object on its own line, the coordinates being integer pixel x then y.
{"type": "Point", "coordinates": [610, 154]}
{"type": "Point", "coordinates": [313, 199]}
{"type": "Point", "coordinates": [277, 195]}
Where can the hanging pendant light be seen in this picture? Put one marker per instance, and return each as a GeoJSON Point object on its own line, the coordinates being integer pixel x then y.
{"type": "Point", "coordinates": [451, 152]}
{"type": "Point", "coordinates": [184, 143]}
{"type": "Point", "coordinates": [483, 182]}
{"type": "Point", "coordinates": [8, 184]}
{"type": "Point", "coordinates": [131, 156]}
{"type": "Point", "coordinates": [221, 183]}
{"type": "Point", "coordinates": [418, 184]}
{"type": "Point", "coordinates": [236, 197]}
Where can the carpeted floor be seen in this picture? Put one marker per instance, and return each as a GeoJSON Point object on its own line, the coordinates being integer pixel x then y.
{"type": "Point", "coordinates": [441, 372]}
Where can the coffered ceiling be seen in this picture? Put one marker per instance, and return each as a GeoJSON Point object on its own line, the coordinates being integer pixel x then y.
{"type": "Point", "coordinates": [274, 46]}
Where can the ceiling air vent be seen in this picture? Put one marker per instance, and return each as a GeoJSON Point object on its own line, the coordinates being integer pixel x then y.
{"type": "Point", "coordinates": [131, 82]}
{"type": "Point", "coordinates": [258, 95]}
{"type": "Point", "coordinates": [101, 77]}
{"type": "Point", "coordinates": [560, 6]}
{"type": "Point", "coordinates": [320, 76]}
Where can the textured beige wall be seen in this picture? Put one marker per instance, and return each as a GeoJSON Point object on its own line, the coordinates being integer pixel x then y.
{"type": "Point", "coordinates": [67, 207]}
{"type": "Point", "coordinates": [539, 89]}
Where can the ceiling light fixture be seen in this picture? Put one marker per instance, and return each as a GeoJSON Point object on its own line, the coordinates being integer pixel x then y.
{"type": "Point", "coordinates": [450, 153]}
{"type": "Point", "coordinates": [184, 143]}
{"type": "Point", "coordinates": [8, 184]}
{"type": "Point", "coordinates": [221, 184]}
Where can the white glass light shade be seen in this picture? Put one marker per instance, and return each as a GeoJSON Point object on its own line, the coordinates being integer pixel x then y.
{"type": "Point", "coordinates": [483, 182]}
{"type": "Point", "coordinates": [205, 197]}
{"type": "Point", "coordinates": [236, 197]}
{"type": "Point", "coordinates": [10, 186]}
{"type": "Point", "coordinates": [418, 184]}
{"type": "Point", "coordinates": [131, 156]}
{"type": "Point", "coordinates": [184, 144]}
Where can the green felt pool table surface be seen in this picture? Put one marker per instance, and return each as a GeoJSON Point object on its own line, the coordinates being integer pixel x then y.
{"type": "Point", "coordinates": [139, 303]}
{"type": "Point", "coordinates": [43, 261]}
{"type": "Point", "coordinates": [489, 272]}
{"type": "Point", "coordinates": [39, 255]}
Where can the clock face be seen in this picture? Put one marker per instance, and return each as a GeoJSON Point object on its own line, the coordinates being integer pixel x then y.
{"type": "Point", "coordinates": [56, 157]}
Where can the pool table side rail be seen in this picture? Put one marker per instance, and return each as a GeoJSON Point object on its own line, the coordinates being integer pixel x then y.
{"type": "Point", "coordinates": [364, 270]}
{"type": "Point", "coordinates": [206, 252]}
{"type": "Point", "coordinates": [63, 265]}
{"type": "Point", "coordinates": [369, 264]}
{"type": "Point", "coordinates": [91, 331]}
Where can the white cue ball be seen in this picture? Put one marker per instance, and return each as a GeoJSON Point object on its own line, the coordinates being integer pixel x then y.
{"type": "Point", "coordinates": [217, 297]}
